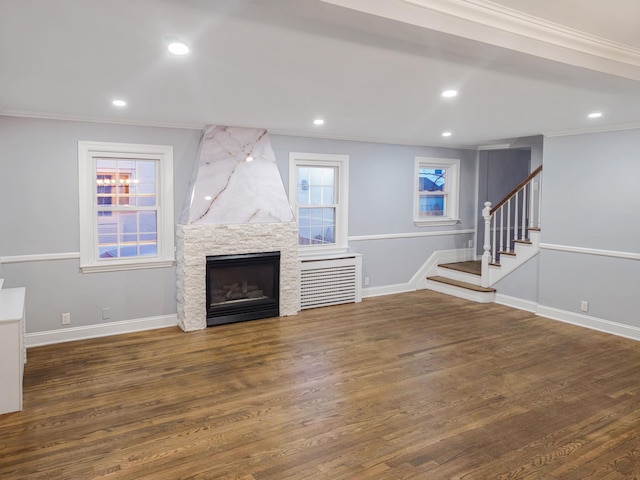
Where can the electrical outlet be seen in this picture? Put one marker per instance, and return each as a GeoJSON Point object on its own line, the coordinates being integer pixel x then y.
{"type": "Point", "coordinates": [66, 318]}
{"type": "Point", "coordinates": [584, 306]}
{"type": "Point", "coordinates": [366, 281]}
{"type": "Point", "coordinates": [106, 313]}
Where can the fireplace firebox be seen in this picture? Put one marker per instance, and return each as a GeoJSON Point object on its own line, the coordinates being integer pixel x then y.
{"type": "Point", "coordinates": [242, 287]}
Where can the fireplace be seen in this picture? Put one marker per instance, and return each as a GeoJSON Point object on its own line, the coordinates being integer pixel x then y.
{"type": "Point", "coordinates": [242, 287]}
{"type": "Point", "coordinates": [235, 207]}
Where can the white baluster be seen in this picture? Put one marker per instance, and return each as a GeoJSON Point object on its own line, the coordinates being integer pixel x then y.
{"type": "Point", "coordinates": [514, 236]}
{"type": "Point", "coordinates": [502, 228]}
{"type": "Point", "coordinates": [508, 226]}
{"type": "Point", "coordinates": [486, 256]}
{"type": "Point", "coordinates": [494, 243]}
{"type": "Point", "coordinates": [539, 200]}
{"type": "Point", "coordinates": [531, 200]}
{"type": "Point", "coordinates": [524, 213]}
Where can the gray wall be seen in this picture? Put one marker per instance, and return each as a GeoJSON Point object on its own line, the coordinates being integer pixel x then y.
{"type": "Point", "coordinates": [381, 202]}
{"type": "Point", "coordinates": [591, 199]}
{"type": "Point", "coordinates": [499, 172]}
{"type": "Point", "coordinates": [39, 215]}
{"type": "Point", "coordinates": [523, 282]}
{"type": "Point", "coordinates": [535, 145]}
{"type": "Point", "coordinates": [590, 194]}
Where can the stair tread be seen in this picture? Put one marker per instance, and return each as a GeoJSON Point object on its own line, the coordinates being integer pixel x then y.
{"type": "Point", "coordinates": [513, 254]}
{"type": "Point", "coordinates": [527, 242]}
{"type": "Point", "coordinates": [473, 267]}
{"type": "Point", "coordinates": [458, 283]}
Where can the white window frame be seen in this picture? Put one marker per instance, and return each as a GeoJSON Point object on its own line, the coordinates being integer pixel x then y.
{"type": "Point", "coordinates": [452, 183]}
{"type": "Point", "coordinates": [341, 163]}
{"type": "Point", "coordinates": [88, 153]}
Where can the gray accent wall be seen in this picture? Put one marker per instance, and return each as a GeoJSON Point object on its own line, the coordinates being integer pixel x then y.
{"type": "Point", "coordinates": [39, 215]}
{"type": "Point", "coordinates": [381, 202]}
{"type": "Point", "coordinates": [591, 200]}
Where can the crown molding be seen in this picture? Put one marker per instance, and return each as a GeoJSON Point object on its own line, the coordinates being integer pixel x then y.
{"type": "Point", "coordinates": [89, 119]}
{"type": "Point", "coordinates": [593, 129]}
{"type": "Point", "coordinates": [494, 24]}
{"type": "Point", "coordinates": [513, 21]}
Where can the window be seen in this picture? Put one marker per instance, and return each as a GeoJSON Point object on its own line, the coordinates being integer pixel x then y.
{"type": "Point", "coordinates": [436, 191]}
{"type": "Point", "coordinates": [318, 194]}
{"type": "Point", "coordinates": [126, 206]}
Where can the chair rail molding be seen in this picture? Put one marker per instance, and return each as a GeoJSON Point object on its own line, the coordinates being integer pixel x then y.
{"type": "Point", "coordinates": [590, 251]}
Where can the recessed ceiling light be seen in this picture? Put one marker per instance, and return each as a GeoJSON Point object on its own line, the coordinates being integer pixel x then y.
{"type": "Point", "coordinates": [208, 198]}
{"type": "Point", "coordinates": [176, 45]}
{"type": "Point", "coordinates": [318, 121]}
{"type": "Point", "coordinates": [449, 93]}
{"type": "Point", "coordinates": [178, 48]}
{"type": "Point", "coordinates": [119, 103]}
{"type": "Point", "coordinates": [446, 134]}
{"type": "Point", "coordinates": [249, 158]}
{"type": "Point", "coordinates": [595, 115]}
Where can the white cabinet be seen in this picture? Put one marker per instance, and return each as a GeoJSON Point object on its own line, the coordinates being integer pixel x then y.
{"type": "Point", "coordinates": [13, 354]}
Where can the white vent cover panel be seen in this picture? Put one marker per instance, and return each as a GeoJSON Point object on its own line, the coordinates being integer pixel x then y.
{"type": "Point", "coordinates": [330, 281]}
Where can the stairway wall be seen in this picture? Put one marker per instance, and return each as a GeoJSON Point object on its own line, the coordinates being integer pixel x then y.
{"type": "Point", "coordinates": [499, 171]}
{"type": "Point", "coordinates": [591, 234]}
{"type": "Point", "coordinates": [522, 283]}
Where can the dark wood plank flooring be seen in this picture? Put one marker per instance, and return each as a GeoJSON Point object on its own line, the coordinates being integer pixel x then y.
{"type": "Point", "coordinates": [411, 386]}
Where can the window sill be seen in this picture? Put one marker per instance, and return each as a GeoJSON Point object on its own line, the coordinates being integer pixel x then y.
{"type": "Point", "coordinates": [116, 267]}
{"type": "Point", "coordinates": [436, 222]}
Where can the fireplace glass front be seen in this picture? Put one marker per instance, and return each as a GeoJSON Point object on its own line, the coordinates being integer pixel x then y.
{"type": "Point", "coordinates": [242, 287]}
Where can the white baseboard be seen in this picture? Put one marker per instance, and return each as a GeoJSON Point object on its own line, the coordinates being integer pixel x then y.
{"type": "Point", "coordinates": [419, 279]}
{"type": "Point", "coordinates": [387, 290]}
{"type": "Point", "coordinates": [100, 330]}
{"type": "Point", "coordinates": [599, 324]}
{"type": "Point", "coordinates": [518, 303]}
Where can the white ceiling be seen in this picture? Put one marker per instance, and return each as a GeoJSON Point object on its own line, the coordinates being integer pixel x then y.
{"type": "Point", "coordinates": [373, 69]}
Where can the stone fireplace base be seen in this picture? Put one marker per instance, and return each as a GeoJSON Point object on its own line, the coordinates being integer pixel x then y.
{"type": "Point", "coordinates": [196, 241]}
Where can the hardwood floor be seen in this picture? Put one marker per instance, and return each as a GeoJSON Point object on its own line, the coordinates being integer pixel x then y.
{"type": "Point", "coordinates": [411, 386]}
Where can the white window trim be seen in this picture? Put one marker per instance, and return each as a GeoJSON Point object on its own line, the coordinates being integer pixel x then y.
{"type": "Point", "coordinates": [88, 152]}
{"type": "Point", "coordinates": [342, 211]}
{"type": "Point", "coordinates": [453, 181]}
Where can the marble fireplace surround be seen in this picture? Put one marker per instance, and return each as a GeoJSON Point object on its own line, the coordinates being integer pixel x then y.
{"type": "Point", "coordinates": [235, 205]}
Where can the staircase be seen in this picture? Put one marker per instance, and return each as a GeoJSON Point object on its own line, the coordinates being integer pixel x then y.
{"type": "Point", "coordinates": [511, 238]}
{"type": "Point", "coordinates": [462, 279]}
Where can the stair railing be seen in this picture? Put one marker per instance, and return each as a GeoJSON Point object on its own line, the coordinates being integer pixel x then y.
{"type": "Point", "coordinates": [510, 221]}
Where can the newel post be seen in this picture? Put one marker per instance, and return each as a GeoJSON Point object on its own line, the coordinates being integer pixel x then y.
{"type": "Point", "coordinates": [486, 255]}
